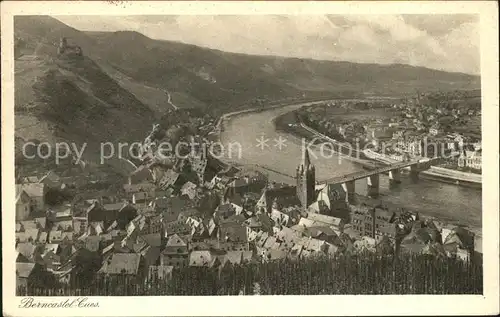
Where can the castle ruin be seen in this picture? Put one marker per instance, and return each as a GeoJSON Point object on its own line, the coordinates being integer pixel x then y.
{"type": "Point", "coordinates": [65, 49]}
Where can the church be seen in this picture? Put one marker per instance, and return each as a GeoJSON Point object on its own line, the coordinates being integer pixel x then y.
{"type": "Point", "coordinates": [306, 180]}
{"type": "Point", "coordinates": [307, 196]}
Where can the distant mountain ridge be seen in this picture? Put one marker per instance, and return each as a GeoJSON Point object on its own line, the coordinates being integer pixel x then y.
{"type": "Point", "coordinates": [235, 78]}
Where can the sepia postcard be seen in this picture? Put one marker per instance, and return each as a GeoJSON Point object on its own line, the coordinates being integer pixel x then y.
{"type": "Point", "coordinates": [250, 158]}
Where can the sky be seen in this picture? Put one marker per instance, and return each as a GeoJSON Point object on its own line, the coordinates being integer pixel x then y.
{"type": "Point", "coordinates": [445, 42]}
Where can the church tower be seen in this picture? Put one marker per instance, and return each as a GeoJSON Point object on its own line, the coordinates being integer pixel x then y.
{"type": "Point", "coordinates": [306, 180]}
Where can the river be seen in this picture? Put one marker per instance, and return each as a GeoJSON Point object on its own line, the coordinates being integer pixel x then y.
{"type": "Point", "coordinates": [448, 202]}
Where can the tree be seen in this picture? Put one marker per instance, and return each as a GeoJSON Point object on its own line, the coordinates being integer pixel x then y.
{"type": "Point", "coordinates": [87, 264]}
{"type": "Point", "coordinates": [41, 278]}
{"type": "Point", "coordinates": [55, 196]}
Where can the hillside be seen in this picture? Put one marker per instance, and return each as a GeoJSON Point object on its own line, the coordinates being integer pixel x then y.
{"type": "Point", "coordinates": [204, 75]}
{"type": "Point", "coordinates": [75, 101]}
{"type": "Point", "coordinates": [127, 80]}
{"type": "Point", "coordinates": [223, 80]}
{"type": "Point", "coordinates": [218, 80]}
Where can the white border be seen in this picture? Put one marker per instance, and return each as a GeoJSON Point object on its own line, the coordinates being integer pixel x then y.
{"type": "Point", "coordinates": [270, 305]}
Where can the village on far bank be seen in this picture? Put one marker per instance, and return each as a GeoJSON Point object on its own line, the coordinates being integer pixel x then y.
{"type": "Point", "coordinates": [198, 211]}
{"type": "Point", "coordinates": [425, 125]}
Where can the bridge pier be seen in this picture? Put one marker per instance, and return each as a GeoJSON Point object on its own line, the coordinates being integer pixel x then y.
{"type": "Point", "coordinates": [414, 171]}
{"type": "Point", "coordinates": [373, 185]}
{"type": "Point", "coordinates": [395, 176]}
{"type": "Point", "coordinates": [350, 189]}
{"type": "Point", "coordinates": [373, 177]}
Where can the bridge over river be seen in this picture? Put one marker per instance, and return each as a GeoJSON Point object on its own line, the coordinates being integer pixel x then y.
{"type": "Point", "coordinates": [372, 176]}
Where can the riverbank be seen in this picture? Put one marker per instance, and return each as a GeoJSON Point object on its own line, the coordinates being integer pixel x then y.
{"type": "Point", "coordinates": [450, 203]}
{"type": "Point", "coordinates": [220, 123]}
{"type": "Point", "coordinates": [289, 123]}
{"type": "Point", "coordinates": [435, 172]}
{"type": "Point", "coordinates": [220, 128]}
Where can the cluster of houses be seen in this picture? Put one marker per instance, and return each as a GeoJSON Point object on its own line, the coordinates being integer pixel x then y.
{"type": "Point", "coordinates": [421, 131]}
{"type": "Point", "coordinates": [378, 227]}
{"type": "Point", "coordinates": [199, 213]}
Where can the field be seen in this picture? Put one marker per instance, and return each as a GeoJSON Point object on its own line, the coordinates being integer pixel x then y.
{"type": "Point", "coordinates": [366, 273]}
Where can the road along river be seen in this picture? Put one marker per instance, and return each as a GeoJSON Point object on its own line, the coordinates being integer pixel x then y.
{"type": "Point", "coordinates": [449, 202]}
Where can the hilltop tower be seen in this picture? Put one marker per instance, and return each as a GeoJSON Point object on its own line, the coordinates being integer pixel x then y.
{"type": "Point", "coordinates": [306, 180]}
{"type": "Point", "coordinates": [63, 43]}
{"type": "Point", "coordinates": [65, 49]}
